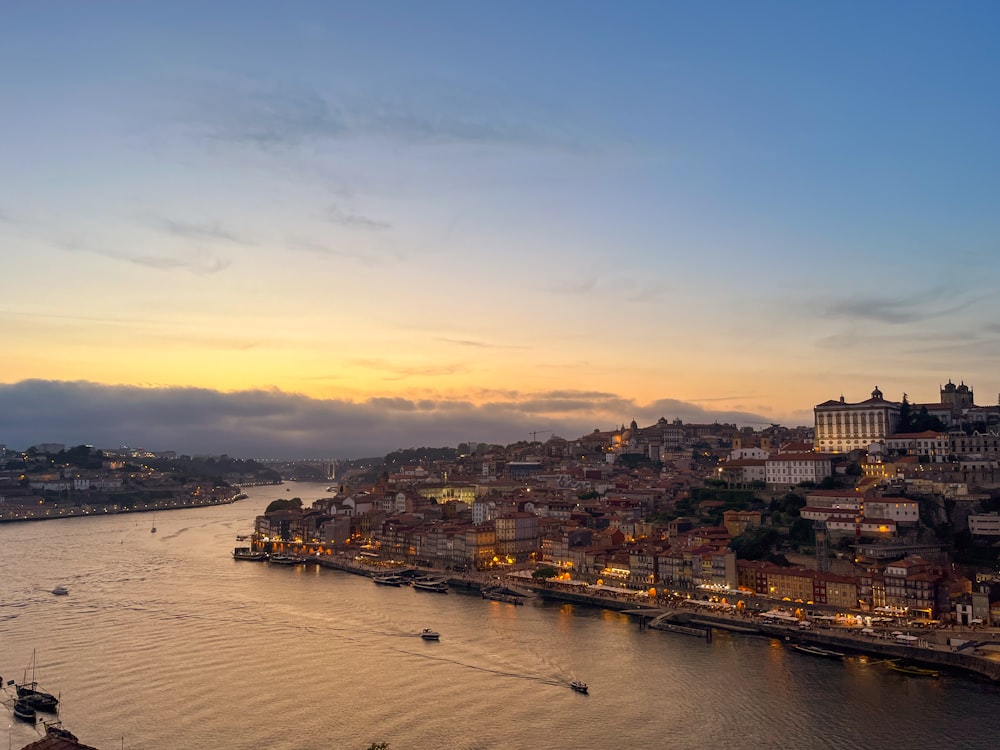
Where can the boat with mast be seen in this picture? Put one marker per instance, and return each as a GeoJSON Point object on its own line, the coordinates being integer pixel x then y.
{"type": "Point", "coordinates": [30, 694]}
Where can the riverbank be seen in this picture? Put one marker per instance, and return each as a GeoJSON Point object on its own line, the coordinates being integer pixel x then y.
{"type": "Point", "coordinates": [43, 513]}
{"type": "Point", "coordinates": [978, 655]}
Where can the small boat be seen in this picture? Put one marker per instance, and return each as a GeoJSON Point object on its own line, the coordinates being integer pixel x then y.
{"type": "Point", "coordinates": [440, 587]}
{"type": "Point", "coordinates": [502, 594]}
{"type": "Point", "coordinates": [39, 701]}
{"type": "Point", "coordinates": [60, 591]}
{"type": "Point", "coordinates": [388, 580]}
{"type": "Point", "coordinates": [24, 711]}
{"type": "Point", "coordinates": [824, 653]}
{"type": "Point", "coordinates": [580, 687]}
{"type": "Point", "coordinates": [286, 559]}
{"type": "Point", "coordinates": [430, 635]}
{"type": "Point", "coordinates": [153, 530]}
{"type": "Point", "coordinates": [56, 730]}
{"type": "Point", "coordinates": [248, 553]}
{"type": "Point", "coordinates": [914, 671]}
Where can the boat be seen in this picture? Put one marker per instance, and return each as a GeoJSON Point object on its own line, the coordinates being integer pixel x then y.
{"type": "Point", "coordinates": [430, 635]}
{"type": "Point", "coordinates": [153, 530]}
{"type": "Point", "coordinates": [436, 586]}
{"type": "Point", "coordinates": [39, 701]}
{"type": "Point", "coordinates": [912, 671]}
{"type": "Point", "coordinates": [29, 693]}
{"type": "Point", "coordinates": [56, 730]}
{"type": "Point", "coordinates": [248, 553]}
{"type": "Point", "coordinates": [580, 687]}
{"type": "Point", "coordinates": [60, 591]}
{"type": "Point", "coordinates": [286, 559]}
{"type": "Point", "coordinates": [501, 594]}
{"type": "Point", "coordinates": [824, 653]}
{"type": "Point", "coordinates": [24, 711]}
{"type": "Point", "coordinates": [388, 580]}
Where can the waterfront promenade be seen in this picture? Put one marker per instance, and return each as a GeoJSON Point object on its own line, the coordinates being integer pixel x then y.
{"type": "Point", "coordinates": [971, 650]}
{"type": "Point", "coordinates": [940, 647]}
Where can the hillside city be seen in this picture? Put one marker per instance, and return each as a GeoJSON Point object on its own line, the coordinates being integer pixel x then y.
{"type": "Point", "coordinates": [879, 506]}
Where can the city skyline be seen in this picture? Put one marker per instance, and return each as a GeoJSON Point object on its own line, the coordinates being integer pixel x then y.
{"type": "Point", "coordinates": [400, 225]}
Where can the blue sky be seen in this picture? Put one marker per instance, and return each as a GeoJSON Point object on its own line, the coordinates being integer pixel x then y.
{"type": "Point", "coordinates": [526, 215]}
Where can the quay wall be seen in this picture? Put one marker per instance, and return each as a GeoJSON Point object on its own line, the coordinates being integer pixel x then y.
{"type": "Point", "coordinates": [10, 515]}
{"type": "Point", "coordinates": [940, 656]}
{"type": "Point", "coordinates": [935, 655]}
{"type": "Point", "coordinates": [580, 598]}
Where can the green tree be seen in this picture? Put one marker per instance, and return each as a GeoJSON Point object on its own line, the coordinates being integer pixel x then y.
{"type": "Point", "coordinates": [546, 572]}
{"type": "Point", "coordinates": [283, 504]}
{"type": "Point", "coordinates": [905, 415]}
{"type": "Point", "coordinates": [754, 544]}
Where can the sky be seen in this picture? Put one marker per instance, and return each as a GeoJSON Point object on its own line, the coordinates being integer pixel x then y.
{"type": "Point", "coordinates": [340, 228]}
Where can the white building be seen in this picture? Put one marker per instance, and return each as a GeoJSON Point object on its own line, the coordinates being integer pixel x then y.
{"type": "Point", "coordinates": [789, 469]}
{"type": "Point", "coordinates": [842, 427]}
{"type": "Point", "coordinates": [897, 509]}
{"type": "Point", "coordinates": [986, 524]}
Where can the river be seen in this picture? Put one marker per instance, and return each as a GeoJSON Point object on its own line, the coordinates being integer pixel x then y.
{"type": "Point", "coordinates": [166, 643]}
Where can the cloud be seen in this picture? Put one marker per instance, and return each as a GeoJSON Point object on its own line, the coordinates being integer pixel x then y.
{"type": "Point", "coordinates": [393, 371]}
{"type": "Point", "coordinates": [621, 288]}
{"type": "Point", "coordinates": [365, 258]}
{"type": "Point", "coordinates": [198, 262]}
{"type": "Point", "coordinates": [281, 118]}
{"type": "Point", "coordinates": [276, 424]}
{"type": "Point", "coordinates": [212, 231]}
{"type": "Point", "coordinates": [913, 307]}
{"type": "Point", "coordinates": [266, 119]}
{"type": "Point", "coordinates": [476, 344]}
{"type": "Point", "coordinates": [346, 218]}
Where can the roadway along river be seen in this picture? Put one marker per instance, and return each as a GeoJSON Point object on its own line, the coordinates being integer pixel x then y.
{"type": "Point", "coordinates": [165, 643]}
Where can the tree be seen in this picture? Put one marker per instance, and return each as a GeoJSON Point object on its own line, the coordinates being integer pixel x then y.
{"type": "Point", "coordinates": [905, 415]}
{"type": "Point", "coordinates": [294, 503]}
{"type": "Point", "coordinates": [754, 544]}
{"type": "Point", "coordinates": [546, 572]}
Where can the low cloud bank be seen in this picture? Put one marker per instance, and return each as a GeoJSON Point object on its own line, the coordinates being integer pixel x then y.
{"type": "Point", "coordinates": [276, 424]}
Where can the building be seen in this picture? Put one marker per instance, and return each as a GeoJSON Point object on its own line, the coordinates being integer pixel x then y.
{"type": "Point", "coordinates": [985, 524]}
{"type": "Point", "coordinates": [934, 445]}
{"type": "Point", "coordinates": [517, 536]}
{"type": "Point", "coordinates": [957, 398]}
{"type": "Point", "coordinates": [790, 469]}
{"type": "Point", "coordinates": [916, 586]}
{"type": "Point", "coordinates": [841, 427]}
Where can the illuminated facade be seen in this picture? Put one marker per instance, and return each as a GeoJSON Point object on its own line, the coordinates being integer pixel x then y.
{"type": "Point", "coordinates": [517, 535]}
{"type": "Point", "coordinates": [841, 427]}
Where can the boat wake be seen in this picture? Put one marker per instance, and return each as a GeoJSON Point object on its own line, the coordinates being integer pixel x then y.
{"type": "Point", "coordinates": [541, 679]}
